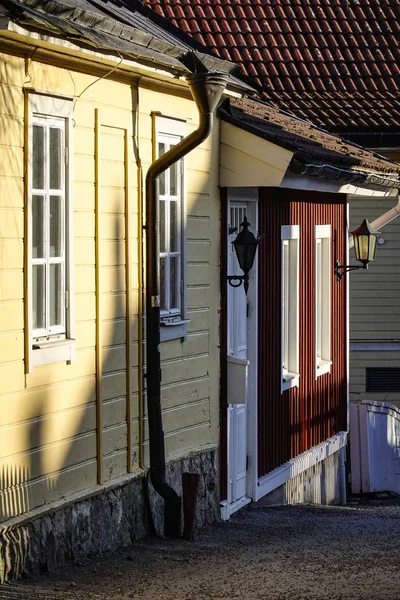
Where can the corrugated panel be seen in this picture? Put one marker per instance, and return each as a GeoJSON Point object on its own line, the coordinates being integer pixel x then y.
{"type": "Point", "coordinates": [300, 418]}
{"type": "Point", "coordinates": [375, 447]}
{"type": "Point", "coordinates": [383, 379]}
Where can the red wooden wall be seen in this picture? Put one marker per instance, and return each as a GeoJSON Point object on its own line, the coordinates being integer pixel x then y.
{"type": "Point", "coordinates": [302, 417]}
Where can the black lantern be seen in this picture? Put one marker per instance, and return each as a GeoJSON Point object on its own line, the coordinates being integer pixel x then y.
{"type": "Point", "coordinates": [245, 246]}
{"type": "Point", "coordinates": [365, 241]}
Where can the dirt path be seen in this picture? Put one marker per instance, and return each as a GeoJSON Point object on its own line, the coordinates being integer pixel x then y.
{"type": "Point", "coordinates": [287, 553]}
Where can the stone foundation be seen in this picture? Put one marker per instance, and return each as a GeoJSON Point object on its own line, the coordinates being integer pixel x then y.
{"type": "Point", "coordinates": [319, 484]}
{"type": "Point", "coordinates": [101, 523]}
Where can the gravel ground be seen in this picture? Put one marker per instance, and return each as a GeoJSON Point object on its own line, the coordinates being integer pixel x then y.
{"type": "Point", "coordinates": [297, 552]}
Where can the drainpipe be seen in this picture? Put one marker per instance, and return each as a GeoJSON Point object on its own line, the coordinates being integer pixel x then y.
{"type": "Point", "coordinates": [383, 220]}
{"type": "Point", "coordinates": [206, 89]}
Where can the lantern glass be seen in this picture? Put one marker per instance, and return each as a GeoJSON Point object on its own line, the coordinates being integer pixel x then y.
{"type": "Point", "coordinates": [245, 246]}
{"type": "Point", "coordinates": [372, 247]}
{"type": "Point", "coordinates": [365, 238]}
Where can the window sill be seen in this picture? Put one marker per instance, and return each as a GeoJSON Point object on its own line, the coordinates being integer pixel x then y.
{"type": "Point", "coordinates": [53, 352]}
{"type": "Point", "coordinates": [323, 366]}
{"type": "Point", "coordinates": [172, 330]}
{"type": "Point", "coordinates": [291, 380]}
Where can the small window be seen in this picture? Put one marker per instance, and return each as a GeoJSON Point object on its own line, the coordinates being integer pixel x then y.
{"type": "Point", "coordinates": [48, 228]}
{"type": "Point", "coordinates": [290, 305]}
{"type": "Point", "coordinates": [323, 277]}
{"type": "Point", "coordinates": [50, 223]}
{"type": "Point", "coordinates": [170, 199]}
{"type": "Point", "coordinates": [172, 233]}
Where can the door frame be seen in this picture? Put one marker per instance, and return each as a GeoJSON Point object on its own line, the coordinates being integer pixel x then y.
{"type": "Point", "coordinates": [244, 195]}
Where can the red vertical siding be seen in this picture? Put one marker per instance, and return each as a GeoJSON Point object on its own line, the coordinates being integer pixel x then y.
{"type": "Point", "coordinates": [293, 422]}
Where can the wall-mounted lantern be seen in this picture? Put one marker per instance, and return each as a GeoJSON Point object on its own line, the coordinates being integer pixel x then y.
{"type": "Point", "coordinates": [245, 246]}
{"type": "Point", "coordinates": [365, 241]}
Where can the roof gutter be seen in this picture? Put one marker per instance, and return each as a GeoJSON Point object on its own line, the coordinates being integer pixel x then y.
{"type": "Point", "coordinates": [206, 89]}
{"type": "Point", "coordinates": [368, 180]}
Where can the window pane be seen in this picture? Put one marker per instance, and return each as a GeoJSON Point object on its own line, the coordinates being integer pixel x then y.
{"type": "Point", "coordinates": [173, 180]}
{"type": "Point", "coordinates": [38, 297]}
{"type": "Point", "coordinates": [38, 157]}
{"type": "Point", "coordinates": [173, 275]}
{"type": "Point", "coordinates": [56, 303]}
{"type": "Point", "coordinates": [56, 226]}
{"type": "Point", "coordinates": [55, 158]}
{"type": "Point", "coordinates": [163, 299]}
{"type": "Point", "coordinates": [319, 297]}
{"type": "Point", "coordinates": [173, 227]}
{"type": "Point", "coordinates": [37, 227]}
{"type": "Point", "coordinates": [161, 151]}
{"type": "Point", "coordinates": [163, 247]}
{"type": "Point", "coordinates": [285, 304]}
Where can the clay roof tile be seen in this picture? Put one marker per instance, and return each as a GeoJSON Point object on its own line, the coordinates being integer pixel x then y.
{"type": "Point", "coordinates": [326, 46]}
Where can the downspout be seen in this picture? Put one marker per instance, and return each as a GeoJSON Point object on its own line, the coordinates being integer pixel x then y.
{"type": "Point", "coordinates": [383, 220]}
{"type": "Point", "coordinates": [206, 89]}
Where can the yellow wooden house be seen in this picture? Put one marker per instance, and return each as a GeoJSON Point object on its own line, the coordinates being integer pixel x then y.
{"type": "Point", "coordinates": [111, 166]}
{"type": "Point", "coordinates": [88, 100]}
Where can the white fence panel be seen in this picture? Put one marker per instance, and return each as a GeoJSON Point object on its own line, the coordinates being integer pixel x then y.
{"type": "Point", "coordinates": [375, 447]}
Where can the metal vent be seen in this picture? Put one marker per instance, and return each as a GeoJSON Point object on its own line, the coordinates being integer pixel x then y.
{"type": "Point", "coordinates": [383, 379]}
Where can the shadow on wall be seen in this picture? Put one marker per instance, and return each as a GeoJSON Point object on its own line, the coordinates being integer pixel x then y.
{"type": "Point", "coordinates": [22, 485]}
{"type": "Point", "coordinates": [59, 452]}
{"type": "Point", "coordinates": [58, 444]}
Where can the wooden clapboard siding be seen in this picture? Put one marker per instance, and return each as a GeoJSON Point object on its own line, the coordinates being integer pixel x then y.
{"type": "Point", "coordinates": [374, 307]}
{"type": "Point", "coordinates": [113, 291]}
{"type": "Point", "coordinates": [190, 370]}
{"type": "Point", "coordinates": [300, 418]}
{"type": "Point", "coordinates": [359, 362]}
{"type": "Point", "coordinates": [61, 421]}
{"type": "Point", "coordinates": [48, 428]}
{"type": "Point", "coordinates": [11, 284]}
{"type": "Point", "coordinates": [12, 313]}
{"type": "Point", "coordinates": [11, 227]}
{"type": "Point", "coordinates": [174, 442]}
{"type": "Point", "coordinates": [248, 160]}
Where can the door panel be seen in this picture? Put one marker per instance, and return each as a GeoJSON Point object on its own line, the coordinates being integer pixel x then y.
{"type": "Point", "coordinates": [237, 347]}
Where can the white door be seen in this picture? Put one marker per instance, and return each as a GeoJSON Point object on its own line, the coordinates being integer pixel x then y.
{"type": "Point", "coordinates": [237, 348]}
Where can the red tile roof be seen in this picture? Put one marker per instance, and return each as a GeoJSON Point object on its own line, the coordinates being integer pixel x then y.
{"type": "Point", "coordinates": [334, 62]}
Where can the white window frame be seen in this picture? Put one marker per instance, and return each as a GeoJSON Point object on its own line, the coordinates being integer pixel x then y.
{"type": "Point", "coordinates": [290, 290]}
{"type": "Point", "coordinates": [57, 343]}
{"type": "Point", "coordinates": [173, 320]}
{"type": "Point", "coordinates": [323, 277]}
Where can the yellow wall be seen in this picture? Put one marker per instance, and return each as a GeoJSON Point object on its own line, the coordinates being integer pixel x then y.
{"type": "Point", "coordinates": [248, 160]}
{"type": "Point", "coordinates": [190, 369]}
{"type": "Point", "coordinates": [49, 441]}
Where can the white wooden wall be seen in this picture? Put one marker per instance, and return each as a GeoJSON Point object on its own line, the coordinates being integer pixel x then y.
{"type": "Point", "coordinates": [375, 447]}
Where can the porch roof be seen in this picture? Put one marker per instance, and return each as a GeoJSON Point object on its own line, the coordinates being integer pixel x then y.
{"type": "Point", "coordinates": [314, 153]}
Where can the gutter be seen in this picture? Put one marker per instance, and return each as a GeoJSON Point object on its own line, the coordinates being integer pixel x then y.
{"type": "Point", "coordinates": [361, 179]}
{"type": "Point", "coordinates": [368, 180]}
{"type": "Point", "coordinates": [206, 89]}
